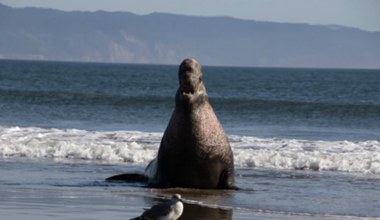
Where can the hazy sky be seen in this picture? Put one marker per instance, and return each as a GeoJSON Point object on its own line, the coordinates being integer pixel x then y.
{"type": "Point", "coordinates": [364, 14]}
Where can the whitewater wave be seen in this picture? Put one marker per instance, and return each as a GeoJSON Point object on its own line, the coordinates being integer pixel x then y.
{"type": "Point", "coordinates": [133, 147]}
{"type": "Point", "coordinates": [141, 147]}
{"type": "Point", "coordinates": [344, 156]}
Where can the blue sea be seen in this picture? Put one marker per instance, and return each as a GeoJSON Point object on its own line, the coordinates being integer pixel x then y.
{"type": "Point", "coordinates": [306, 142]}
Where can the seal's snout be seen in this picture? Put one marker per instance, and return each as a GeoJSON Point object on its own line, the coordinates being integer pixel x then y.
{"type": "Point", "coordinates": [190, 76]}
{"type": "Point", "coordinates": [188, 82]}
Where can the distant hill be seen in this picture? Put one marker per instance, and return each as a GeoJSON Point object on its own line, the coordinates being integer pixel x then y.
{"type": "Point", "coordinates": [45, 34]}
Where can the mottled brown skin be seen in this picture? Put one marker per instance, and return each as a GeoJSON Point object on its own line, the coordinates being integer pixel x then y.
{"type": "Point", "coordinates": [194, 150]}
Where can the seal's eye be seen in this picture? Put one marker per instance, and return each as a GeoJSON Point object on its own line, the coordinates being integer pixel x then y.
{"type": "Point", "coordinates": [200, 79]}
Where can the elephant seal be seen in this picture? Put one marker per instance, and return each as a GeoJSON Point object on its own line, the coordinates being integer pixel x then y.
{"type": "Point", "coordinates": [194, 150]}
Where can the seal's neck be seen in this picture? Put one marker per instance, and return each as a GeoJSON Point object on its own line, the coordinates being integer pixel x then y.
{"type": "Point", "coordinates": [191, 102]}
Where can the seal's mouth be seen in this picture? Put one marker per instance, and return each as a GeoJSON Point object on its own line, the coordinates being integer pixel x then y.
{"type": "Point", "coordinates": [187, 90]}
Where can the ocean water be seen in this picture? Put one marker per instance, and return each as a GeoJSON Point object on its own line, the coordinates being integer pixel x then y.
{"type": "Point", "coordinates": [306, 142]}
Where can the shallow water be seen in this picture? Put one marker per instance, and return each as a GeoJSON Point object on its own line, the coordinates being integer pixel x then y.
{"type": "Point", "coordinates": [69, 189]}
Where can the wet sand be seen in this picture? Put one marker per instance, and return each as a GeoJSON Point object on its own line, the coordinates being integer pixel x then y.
{"type": "Point", "coordinates": [50, 189]}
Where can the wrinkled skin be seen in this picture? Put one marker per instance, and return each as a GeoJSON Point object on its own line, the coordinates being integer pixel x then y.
{"type": "Point", "coordinates": [194, 150]}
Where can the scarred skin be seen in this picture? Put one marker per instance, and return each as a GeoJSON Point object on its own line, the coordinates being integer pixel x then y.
{"type": "Point", "coordinates": [194, 150]}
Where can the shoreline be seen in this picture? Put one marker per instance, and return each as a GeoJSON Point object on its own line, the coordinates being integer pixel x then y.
{"type": "Point", "coordinates": [40, 189]}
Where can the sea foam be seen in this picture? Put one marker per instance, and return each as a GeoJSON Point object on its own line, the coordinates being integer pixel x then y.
{"type": "Point", "coordinates": [344, 156]}
{"type": "Point", "coordinates": [141, 147]}
{"type": "Point", "coordinates": [133, 147]}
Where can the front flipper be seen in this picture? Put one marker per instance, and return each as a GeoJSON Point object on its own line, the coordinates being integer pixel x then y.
{"type": "Point", "coordinates": [227, 180]}
{"type": "Point", "coordinates": [147, 177]}
{"type": "Point", "coordinates": [129, 177]}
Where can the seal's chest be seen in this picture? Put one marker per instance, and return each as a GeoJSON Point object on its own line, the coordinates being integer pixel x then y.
{"type": "Point", "coordinates": [202, 151]}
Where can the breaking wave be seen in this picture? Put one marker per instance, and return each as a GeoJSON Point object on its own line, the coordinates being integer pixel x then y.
{"type": "Point", "coordinates": [141, 147]}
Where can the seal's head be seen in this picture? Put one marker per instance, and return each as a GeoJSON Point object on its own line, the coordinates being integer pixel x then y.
{"type": "Point", "coordinates": [191, 86]}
